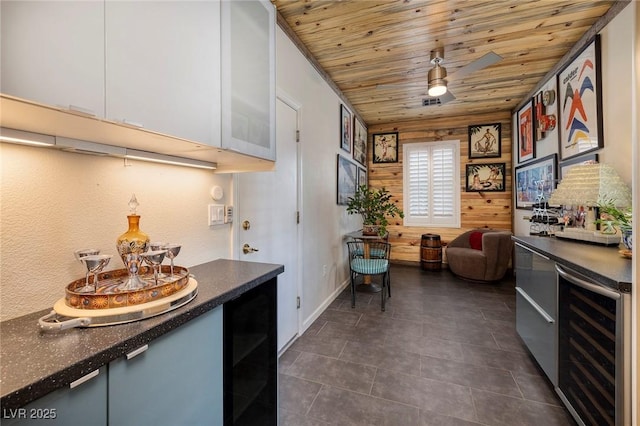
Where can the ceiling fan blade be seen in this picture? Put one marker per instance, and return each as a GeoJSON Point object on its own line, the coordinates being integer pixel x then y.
{"type": "Point", "coordinates": [480, 63]}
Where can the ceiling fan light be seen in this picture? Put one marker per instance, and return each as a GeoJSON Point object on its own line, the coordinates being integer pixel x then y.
{"type": "Point", "coordinates": [437, 89]}
{"type": "Point", "coordinates": [437, 85]}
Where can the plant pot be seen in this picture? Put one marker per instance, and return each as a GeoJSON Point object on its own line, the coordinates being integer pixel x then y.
{"type": "Point", "coordinates": [370, 229]}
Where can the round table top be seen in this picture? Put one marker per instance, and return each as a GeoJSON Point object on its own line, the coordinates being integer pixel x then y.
{"type": "Point", "coordinates": [360, 236]}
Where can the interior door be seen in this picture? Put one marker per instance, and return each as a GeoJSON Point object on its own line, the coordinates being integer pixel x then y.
{"type": "Point", "coordinates": [267, 219]}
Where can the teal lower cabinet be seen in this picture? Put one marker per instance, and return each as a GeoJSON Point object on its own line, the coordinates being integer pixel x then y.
{"type": "Point", "coordinates": [83, 403]}
{"type": "Point", "coordinates": [176, 379]}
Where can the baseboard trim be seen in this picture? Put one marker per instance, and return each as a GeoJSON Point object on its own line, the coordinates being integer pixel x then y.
{"type": "Point", "coordinates": [314, 316]}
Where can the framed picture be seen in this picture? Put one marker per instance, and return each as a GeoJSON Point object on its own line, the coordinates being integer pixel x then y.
{"type": "Point", "coordinates": [489, 177]}
{"type": "Point", "coordinates": [580, 103]}
{"type": "Point", "coordinates": [347, 180]}
{"type": "Point", "coordinates": [359, 141]}
{"type": "Point", "coordinates": [583, 159]}
{"type": "Point", "coordinates": [538, 109]}
{"type": "Point", "coordinates": [535, 181]}
{"type": "Point", "coordinates": [362, 177]}
{"type": "Point", "coordinates": [485, 140]}
{"type": "Point", "coordinates": [526, 145]}
{"type": "Point", "coordinates": [385, 147]}
{"type": "Point", "coordinates": [345, 128]}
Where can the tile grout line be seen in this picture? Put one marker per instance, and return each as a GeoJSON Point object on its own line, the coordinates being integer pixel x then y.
{"type": "Point", "coordinates": [314, 400]}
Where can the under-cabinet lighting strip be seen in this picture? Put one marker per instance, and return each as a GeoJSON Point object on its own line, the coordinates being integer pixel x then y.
{"type": "Point", "coordinates": [25, 138]}
{"type": "Point", "coordinates": [134, 154]}
{"type": "Point", "coordinates": [93, 148]}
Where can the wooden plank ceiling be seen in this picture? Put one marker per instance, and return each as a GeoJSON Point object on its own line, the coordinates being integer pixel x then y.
{"type": "Point", "coordinates": [361, 44]}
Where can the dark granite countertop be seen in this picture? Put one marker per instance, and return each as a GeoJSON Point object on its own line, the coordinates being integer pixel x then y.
{"type": "Point", "coordinates": [602, 264]}
{"type": "Point", "coordinates": [34, 362]}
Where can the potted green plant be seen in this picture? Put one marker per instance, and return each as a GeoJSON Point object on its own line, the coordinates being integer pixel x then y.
{"type": "Point", "coordinates": [374, 206]}
{"type": "Point", "coordinates": [612, 217]}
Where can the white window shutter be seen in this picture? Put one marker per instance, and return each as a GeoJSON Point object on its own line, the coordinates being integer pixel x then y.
{"type": "Point", "coordinates": [432, 190]}
{"type": "Point", "coordinates": [418, 190]}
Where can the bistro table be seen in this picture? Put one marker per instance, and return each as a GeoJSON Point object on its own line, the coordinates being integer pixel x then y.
{"type": "Point", "coordinates": [367, 285]}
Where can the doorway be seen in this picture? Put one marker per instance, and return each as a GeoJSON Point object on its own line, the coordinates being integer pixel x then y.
{"type": "Point", "coordinates": [268, 219]}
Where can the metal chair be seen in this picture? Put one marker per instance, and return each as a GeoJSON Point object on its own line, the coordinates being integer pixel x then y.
{"type": "Point", "coordinates": [368, 258]}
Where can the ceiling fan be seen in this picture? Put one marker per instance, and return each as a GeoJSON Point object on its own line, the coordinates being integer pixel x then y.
{"type": "Point", "coordinates": [437, 90]}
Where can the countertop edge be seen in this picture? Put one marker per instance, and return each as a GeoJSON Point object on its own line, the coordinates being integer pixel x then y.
{"type": "Point", "coordinates": [17, 398]}
{"type": "Point", "coordinates": [618, 282]}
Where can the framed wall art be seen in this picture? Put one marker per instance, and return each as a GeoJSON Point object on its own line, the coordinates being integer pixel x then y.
{"type": "Point", "coordinates": [362, 177]}
{"type": "Point", "coordinates": [580, 103]}
{"type": "Point", "coordinates": [583, 159]}
{"type": "Point", "coordinates": [485, 140]}
{"type": "Point", "coordinates": [526, 145]}
{"type": "Point", "coordinates": [489, 177]}
{"type": "Point", "coordinates": [347, 180]}
{"type": "Point", "coordinates": [359, 141]}
{"type": "Point", "coordinates": [385, 147]}
{"type": "Point", "coordinates": [535, 179]}
{"type": "Point", "coordinates": [345, 128]}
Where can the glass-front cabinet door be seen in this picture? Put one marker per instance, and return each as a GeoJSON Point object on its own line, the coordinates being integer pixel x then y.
{"type": "Point", "coordinates": [248, 77]}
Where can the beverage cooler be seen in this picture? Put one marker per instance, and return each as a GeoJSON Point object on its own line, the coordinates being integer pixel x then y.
{"type": "Point", "coordinates": [251, 358]}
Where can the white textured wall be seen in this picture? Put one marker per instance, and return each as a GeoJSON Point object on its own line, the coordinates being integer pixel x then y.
{"type": "Point", "coordinates": [617, 76]}
{"type": "Point", "coordinates": [324, 222]}
{"type": "Point", "coordinates": [53, 202]}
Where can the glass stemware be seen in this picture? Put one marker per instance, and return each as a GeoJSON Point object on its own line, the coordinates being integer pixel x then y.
{"type": "Point", "coordinates": [154, 258]}
{"type": "Point", "coordinates": [172, 252]}
{"type": "Point", "coordinates": [158, 246]}
{"type": "Point", "coordinates": [94, 263]}
{"type": "Point", "coordinates": [79, 254]}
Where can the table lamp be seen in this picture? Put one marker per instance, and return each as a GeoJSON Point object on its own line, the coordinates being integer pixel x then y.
{"type": "Point", "coordinates": [586, 185]}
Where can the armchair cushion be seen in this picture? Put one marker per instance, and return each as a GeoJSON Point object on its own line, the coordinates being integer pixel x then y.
{"type": "Point", "coordinates": [475, 240]}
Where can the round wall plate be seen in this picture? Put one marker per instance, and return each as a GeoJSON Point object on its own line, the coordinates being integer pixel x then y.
{"type": "Point", "coordinates": [217, 193]}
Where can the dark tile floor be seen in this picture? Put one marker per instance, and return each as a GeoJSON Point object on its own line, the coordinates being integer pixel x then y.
{"type": "Point", "coordinates": [445, 352]}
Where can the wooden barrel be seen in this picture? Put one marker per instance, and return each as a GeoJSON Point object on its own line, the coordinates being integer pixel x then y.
{"type": "Point", "coordinates": [430, 252]}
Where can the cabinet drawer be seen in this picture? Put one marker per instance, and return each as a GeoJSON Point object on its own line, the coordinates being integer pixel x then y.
{"type": "Point", "coordinates": [539, 332]}
{"type": "Point", "coordinates": [536, 275]}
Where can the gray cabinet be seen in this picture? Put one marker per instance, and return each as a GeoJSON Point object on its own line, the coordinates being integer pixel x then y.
{"type": "Point", "coordinates": [83, 403]}
{"type": "Point", "coordinates": [537, 307]}
{"type": "Point", "coordinates": [53, 53]}
{"type": "Point", "coordinates": [178, 379]}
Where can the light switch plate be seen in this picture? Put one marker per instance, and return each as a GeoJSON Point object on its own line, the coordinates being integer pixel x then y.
{"type": "Point", "coordinates": [216, 214]}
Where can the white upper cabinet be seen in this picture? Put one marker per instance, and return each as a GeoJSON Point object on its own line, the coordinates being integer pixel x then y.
{"type": "Point", "coordinates": [201, 71]}
{"type": "Point", "coordinates": [53, 53]}
{"type": "Point", "coordinates": [248, 77]}
{"type": "Point", "coordinates": [163, 67]}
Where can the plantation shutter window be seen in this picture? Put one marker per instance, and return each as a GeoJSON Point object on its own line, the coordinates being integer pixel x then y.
{"type": "Point", "coordinates": [432, 190]}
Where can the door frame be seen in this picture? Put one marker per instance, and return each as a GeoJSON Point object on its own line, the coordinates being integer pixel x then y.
{"type": "Point", "coordinates": [236, 245]}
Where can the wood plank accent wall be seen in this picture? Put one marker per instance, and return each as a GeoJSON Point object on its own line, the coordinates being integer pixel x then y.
{"type": "Point", "coordinates": [478, 209]}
